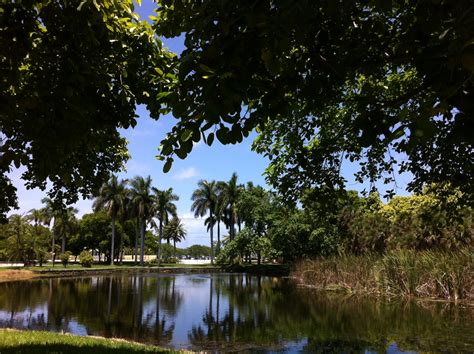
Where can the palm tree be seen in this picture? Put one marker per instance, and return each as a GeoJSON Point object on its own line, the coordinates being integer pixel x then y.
{"type": "Point", "coordinates": [204, 199]}
{"type": "Point", "coordinates": [231, 191]}
{"type": "Point", "coordinates": [175, 231]}
{"type": "Point", "coordinates": [164, 207]}
{"type": "Point", "coordinates": [65, 223]}
{"type": "Point", "coordinates": [50, 211]}
{"type": "Point", "coordinates": [219, 211]}
{"type": "Point", "coordinates": [112, 196]}
{"type": "Point", "coordinates": [127, 213]}
{"type": "Point", "coordinates": [143, 200]}
{"type": "Point", "coordinates": [36, 215]}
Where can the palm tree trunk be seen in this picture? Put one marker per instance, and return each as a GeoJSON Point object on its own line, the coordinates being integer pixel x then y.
{"type": "Point", "coordinates": [112, 242]}
{"type": "Point", "coordinates": [232, 223]}
{"type": "Point", "coordinates": [174, 247]}
{"type": "Point", "coordinates": [160, 235]}
{"type": "Point", "coordinates": [142, 243]}
{"type": "Point", "coordinates": [218, 235]}
{"type": "Point", "coordinates": [136, 241]}
{"type": "Point", "coordinates": [121, 247]}
{"type": "Point", "coordinates": [212, 238]}
{"type": "Point", "coordinates": [63, 243]}
{"type": "Point", "coordinates": [53, 246]}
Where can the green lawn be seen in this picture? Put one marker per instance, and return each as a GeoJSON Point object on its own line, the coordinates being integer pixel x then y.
{"type": "Point", "coordinates": [13, 341]}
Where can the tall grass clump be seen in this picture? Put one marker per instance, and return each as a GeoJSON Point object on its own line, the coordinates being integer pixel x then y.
{"type": "Point", "coordinates": [435, 274]}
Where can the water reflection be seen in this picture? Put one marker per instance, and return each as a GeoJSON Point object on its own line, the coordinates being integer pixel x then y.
{"type": "Point", "coordinates": [233, 312]}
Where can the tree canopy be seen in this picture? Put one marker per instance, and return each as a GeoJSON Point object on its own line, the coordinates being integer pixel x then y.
{"type": "Point", "coordinates": [72, 73]}
{"type": "Point", "coordinates": [385, 83]}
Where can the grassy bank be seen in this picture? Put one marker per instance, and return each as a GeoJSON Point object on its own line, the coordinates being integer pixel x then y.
{"type": "Point", "coordinates": [25, 273]}
{"type": "Point", "coordinates": [15, 274]}
{"type": "Point", "coordinates": [431, 274]}
{"type": "Point", "coordinates": [14, 341]}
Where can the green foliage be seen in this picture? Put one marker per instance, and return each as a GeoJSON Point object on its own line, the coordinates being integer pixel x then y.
{"type": "Point", "coordinates": [198, 251]}
{"type": "Point", "coordinates": [21, 241]}
{"type": "Point", "coordinates": [64, 258]}
{"type": "Point", "coordinates": [72, 73]}
{"type": "Point", "coordinates": [388, 84]}
{"type": "Point", "coordinates": [42, 255]}
{"type": "Point", "coordinates": [246, 244]}
{"type": "Point", "coordinates": [86, 259]}
{"type": "Point", "coordinates": [93, 233]}
{"type": "Point", "coordinates": [437, 274]}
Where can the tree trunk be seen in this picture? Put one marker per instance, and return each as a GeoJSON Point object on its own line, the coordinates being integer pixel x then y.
{"type": "Point", "coordinates": [142, 243]}
{"type": "Point", "coordinates": [121, 246]}
{"type": "Point", "coordinates": [232, 223]}
{"type": "Point", "coordinates": [136, 242]}
{"type": "Point", "coordinates": [174, 247]}
{"type": "Point", "coordinates": [160, 236]}
{"type": "Point", "coordinates": [63, 243]}
{"type": "Point", "coordinates": [53, 246]}
{"type": "Point", "coordinates": [212, 238]}
{"type": "Point", "coordinates": [112, 242]}
{"type": "Point", "coordinates": [218, 235]}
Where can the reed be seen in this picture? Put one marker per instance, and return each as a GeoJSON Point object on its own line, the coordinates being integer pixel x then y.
{"type": "Point", "coordinates": [434, 274]}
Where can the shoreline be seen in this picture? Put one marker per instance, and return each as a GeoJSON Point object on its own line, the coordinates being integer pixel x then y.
{"type": "Point", "coordinates": [8, 275]}
{"type": "Point", "coordinates": [15, 274]}
{"type": "Point", "coordinates": [339, 289]}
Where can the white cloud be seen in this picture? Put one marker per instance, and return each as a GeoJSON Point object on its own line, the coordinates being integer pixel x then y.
{"type": "Point", "coordinates": [137, 168]}
{"type": "Point", "coordinates": [186, 173]}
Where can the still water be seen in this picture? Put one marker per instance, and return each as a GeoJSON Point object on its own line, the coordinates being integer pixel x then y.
{"type": "Point", "coordinates": [233, 312]}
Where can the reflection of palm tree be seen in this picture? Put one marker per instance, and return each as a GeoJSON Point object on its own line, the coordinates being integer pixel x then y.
{"type": "Point", "coordinates": [160, 331]}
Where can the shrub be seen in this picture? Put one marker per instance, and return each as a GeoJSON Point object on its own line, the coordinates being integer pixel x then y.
{"type": "Point", "coordinates": [42, 256]}
{"type": "Point", "coordinates": [86, 259]}
{"type": "Point", "coordinates": [64, 257]}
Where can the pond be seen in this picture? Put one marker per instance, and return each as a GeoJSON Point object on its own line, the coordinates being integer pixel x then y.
{"type": "Point", "coordinates": [233, 312]}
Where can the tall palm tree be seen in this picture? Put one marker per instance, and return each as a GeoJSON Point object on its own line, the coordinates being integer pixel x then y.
{"type": "Point", "coordinates": [143, 200]}
{"type": "Point", "coordinates": [127, 213]}
{"type": "Point", "coordinates": [65, 222]}
{"type": "Point", "coordinates": [36, 215]}
{"type": "Point", "coordinates": [112, 196]}
{"type": "Point", "coordinates": [175, 231]}
{"type": "Point", "coordinates": [164, 207]}
{"type": "Point", "coordinates": [204, 200]}
{"type": "Point", "coordinates": [231, 191]}
{"type": "Point", "coordinates": [219, 211]}
{"type": "Point", "coordinates": [50, 211]}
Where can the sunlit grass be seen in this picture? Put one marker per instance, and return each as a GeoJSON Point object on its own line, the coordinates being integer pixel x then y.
{"type": "Point", "coordinates": [14, 341]}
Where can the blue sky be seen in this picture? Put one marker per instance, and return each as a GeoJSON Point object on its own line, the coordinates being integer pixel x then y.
{"type": "Point", "coordinates": [214, 163]}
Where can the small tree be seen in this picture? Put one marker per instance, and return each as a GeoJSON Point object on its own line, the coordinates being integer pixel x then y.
{"type": "Point", "coordinates": [42, 255]}
{"type": "Point", "coordinates": [86, 259]}
{"type": "Point", "coordinates": [64, 257]}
